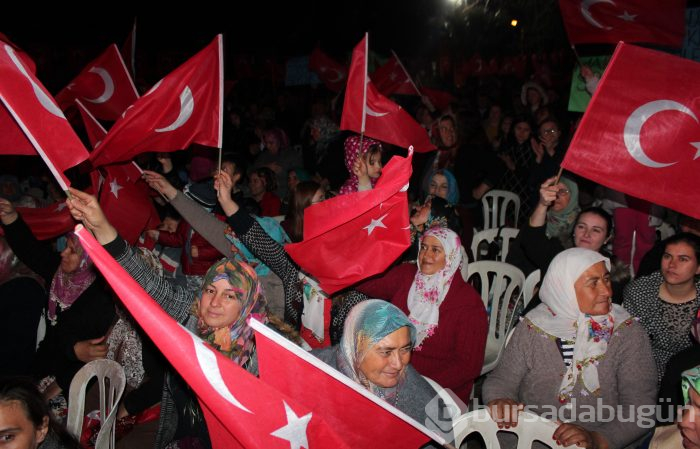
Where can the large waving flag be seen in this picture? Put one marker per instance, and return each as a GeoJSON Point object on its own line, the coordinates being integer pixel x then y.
{"type": "Point", "coordinates": [641, 132]}
{"type": "Point", "coordinates": [241, 410]}
{"type": "Point", "coordinates": [347, 406]}
{"type": "Point", "coordinates": [608, 21]}
{"type": "Point", "coordinates": [375, 220]}
{"type": "Point", "coordinates": [392, 78]}
{"type": "Point", "coordinates": [366, 111]}
{"type": "Point", "coordinates": [93, 128]}
{"type": "Point", "coordinates": [333, 74]}
{"type": "Point", "coordinates": [104, 87]}
{"type": "Point", "coordinates": [183, 108]}
{"type": "Point", "coordinates": [30, 120]}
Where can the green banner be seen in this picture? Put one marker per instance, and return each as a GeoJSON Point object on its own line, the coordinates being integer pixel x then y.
{"type": "Point", "coordinates": [579, 96]}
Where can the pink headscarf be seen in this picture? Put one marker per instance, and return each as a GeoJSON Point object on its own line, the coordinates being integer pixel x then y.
{"type": "Point", "coordinates": [352, 152]}
{"type": "Point", "coordinates": [67, 287]}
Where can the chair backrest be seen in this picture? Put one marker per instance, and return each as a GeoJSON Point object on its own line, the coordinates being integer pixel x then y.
{"type": "Point", "coordinates": [530, 428]}
{"type": "Point", "coordinates": [500, 285]}
{"type": "Point", "coordinates": [451, 405]}
{"type": "Point", "coordinates": [482, 239]}
{"type": "Point", "coordinates": [111, 382]}
{"type": "Point", "coordinates": [496, 204]}
{"type": "Point", "coordinates": [531, 282]}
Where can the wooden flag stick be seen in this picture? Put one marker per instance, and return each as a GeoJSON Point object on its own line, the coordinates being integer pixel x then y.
{"type": "Point", "coordinates": [141, 171]}
{"type": "Point", "coordinates": [556, 181]}
{"type": "Point", "coordinates": [220, 151]}
{"type": "Point", "coordinates": [578, 58]}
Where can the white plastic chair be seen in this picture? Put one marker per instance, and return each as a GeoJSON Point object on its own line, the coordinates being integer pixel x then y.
{"type": "Point", "coordinates": [501, 286]}
{"type": "Point", "coordinates": [530, 428]}
{"type": "Point", "coordinates": [496, 204]}
{"type": "Point", "coordinates": [111, 382]}
{"type": "Point", "coordinates": [481, 240]}
{"type": "Point", "coordinates": [529, 287]}
{"type": "Point", "coordinates": [450, 403]}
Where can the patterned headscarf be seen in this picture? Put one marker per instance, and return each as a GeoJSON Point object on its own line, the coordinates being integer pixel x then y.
{"type": "Point", "coordinates": [690, 379]}
{"type": "Point", "coordinates": [559, 316]}
{"type": "Point", "coordinates": [559, 224]}
{"type": "Point", "coordinates": [368, 323]}
{"type": "Point", "coordinates": [235, 341]}
{"type": "Point", "coordinates": [327, 130]}
{"type": "Point", "coordinates": [428, 291]}
{"type": "Point", "coordinates": [272, 228]}
{"type": "Point", "coordinates": [352, 152]}
{"type": "Point", "coordinates": [67, 287]}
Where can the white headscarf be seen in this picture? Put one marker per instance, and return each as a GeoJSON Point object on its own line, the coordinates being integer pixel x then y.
{"type": "Point", "coordinates": [428, 291]}
{"type": "Point", "coordinates": [559, 315]}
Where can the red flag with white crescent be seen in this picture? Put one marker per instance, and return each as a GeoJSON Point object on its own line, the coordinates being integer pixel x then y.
{"type": "Point", "coordinates": [641, 131]}
{"type": "Point", "coordinates": [368, 112]}
{"type": "Point", "coordinates": [183, 108]}
{"type": "Point", "coordinates": [392, 78]}
{"type": "Point", "coordinates": [33, 120]}
{"type": "Point", "coordinates": [333, 74]}
{"type": "Point", "coordinates": [608, 21]}
{"type": "Point", "coordinates": [104, 87]}
{"type": "Point", "coordinates": [375, 220]}
{"type": "Point", "coordinates": [94, 129]}
{"type": "Point", "coordinates": [241, 410]}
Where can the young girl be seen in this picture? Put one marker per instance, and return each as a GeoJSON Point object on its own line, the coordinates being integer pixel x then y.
{"type": "Point", "coordinates": [364, 164]}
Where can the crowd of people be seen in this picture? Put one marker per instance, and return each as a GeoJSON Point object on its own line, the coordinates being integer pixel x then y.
{"type": "Point", "coordinates": [612, 323]}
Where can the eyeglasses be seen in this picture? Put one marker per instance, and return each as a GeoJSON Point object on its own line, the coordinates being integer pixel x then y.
{"type": "Point", "coordinates": [563, 192]}
{"type": "Point", "coordinates": [549, 131]}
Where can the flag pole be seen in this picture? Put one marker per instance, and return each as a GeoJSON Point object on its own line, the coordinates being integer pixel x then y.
{"type": "Point", "coordinates": [141, 171]}
{"type": "Point", "coordinates": [364, 92]}
{"type": "Point", "coordinates": [556, 181]}
{"type": "Point", "coordinates": [578, 58]}
{"type": "Point", "coordinates": [406, 72]}
{"type": "Point", "coordinates": [220, 151]}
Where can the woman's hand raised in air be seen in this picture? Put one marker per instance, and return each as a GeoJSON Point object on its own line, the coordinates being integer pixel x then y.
{"type": "Point", "coordinates": [84, 207]}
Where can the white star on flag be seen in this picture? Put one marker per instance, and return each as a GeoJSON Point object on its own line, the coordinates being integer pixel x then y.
{"type": "Point", "coordinates": [375, 224]}
{"type": "Point", "coordinates": [114, 188]}
{"type": "Point", "coordinates": [295, 430]}
{"type": "Point", "coordinates": [60, 207]}
{"type": "Point", "coordinates": [627, 17]}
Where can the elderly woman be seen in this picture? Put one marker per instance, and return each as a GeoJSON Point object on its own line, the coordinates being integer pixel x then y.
{"type": "Point", "coordinates": [576, 351]}
{"type": "Point", "coordinates": [230, 294]}
{"type": "Point", "coordinates": [79, 311]}
{"type": "Point", "coordinates": [375, 351]}
{"type": "Point", "coordinates": [447, 312]}
{"type": "Point", "coordinates": [667, 301]}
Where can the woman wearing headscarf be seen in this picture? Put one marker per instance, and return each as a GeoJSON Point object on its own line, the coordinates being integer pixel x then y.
{"type": "Point", "coordinates": [230, 294]}
{"type": "Point", "coordinates": [375, 352]}
{"type": "Point", "coordinates": [575, 352]}
{"type": "Point", "coordinates": [449, 315]}
{"type": "Point", "coordinates": [79, 310]}
{"type": "Point", "coordinates": [562, 212]}
{"type": "Point", "coordinates": [443, 184]}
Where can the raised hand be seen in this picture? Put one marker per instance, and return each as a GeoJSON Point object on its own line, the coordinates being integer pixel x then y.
{"type": "Point", "coordinates": [84, 207]}
{"type": "Point", "coordinates": [8, 214]}
{"type": "Point", "coordinates": [159, 184]}
{"type": "Point", "coordinates": [223, 185]}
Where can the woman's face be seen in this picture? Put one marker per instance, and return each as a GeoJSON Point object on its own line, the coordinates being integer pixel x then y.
{"type": "Point", "coordinates": [271, 143]}
{"type": "Point", "coordinates": [679, 264]}
{"type": "Point", "coordinates": [318, 196]}
{"type": "Point", "coordinates": [563, 198]}
{"type": "Point", "coordinates": [220, 305]}
{"type": "Point", "coordinates": [448, 134]}
{"type": "Point", "coordinates": [16, 430]}
{"type": "Point", "coordinates": [594, 290]}
{"type": "Point", "coordinates": [70, 259]}
{"type": "Point", "coordinates": [439, 186]}
{"type": "Point", "coordinates": [689, 424]}
{"type": "Point", "coordinates": [385, 362]}
{"type": "Point", "coordinates": [431, 255]}
{"type": "Point", "coordinates": [292, 180]}
{"type": "Point", "coordinates": [256, 184]}
{"type": "Point", "coordinates": [590, 231]}
{"type": "Point", "coordinates": [522, 131]}
{"type": "Point", "coordinates": [533, 97]}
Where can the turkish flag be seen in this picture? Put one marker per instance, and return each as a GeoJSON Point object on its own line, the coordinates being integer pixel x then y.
{"type": "Point", "coordinates": [241, 410]}
{"type": "Point", "coordinates": [392, 78]}
{"type": "Point", "coordinates": [641, 132]}
{"type": "Point", "coordinates": [605, 21]}
{"type": "Point", "coordinates": [30, 120]}
{"type": "Point", "coordinates": [346, 405]}
{"type": "Point", "coordinates": [104, 87]}
{"type": "Point", "coordinates": [333, 74]}
{"type": "Point", "coordinates": [439, 98]}
{"type": "Point", "coordinates": [28, 61]}
{"type": "Point", "coordinates": [366, 111]}
{"type": "Point", "coordinates": [94, 129]}
{"type": "Point", "coordinates": [47, 222]}
{"type": "Point", "coordinates": [126, 201]}
{"type": "Point", "coordinates": [183, 108]}
{"type": "Point", "coordinates": [374, 220]}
